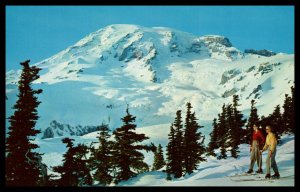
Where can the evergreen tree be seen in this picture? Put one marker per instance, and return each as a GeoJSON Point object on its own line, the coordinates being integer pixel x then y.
{"type": "Point", "coordinates": [178, 146]}
{"type": "Point", "coordinates": [230, 124]}
{"type": "Point", "coordinates": [74, 171]}
{"type": "Point", "coordinates": [292, 118]}
{"type": "Point", "coordinates": [194, 146]}
{"type": "Point", "coordinates": [159, 161]}
{"type": "Point", "coordinates": [23, 164]}
{"type": "Point", "coordinates": [276, 122]}
{"type": "Point", "coordinates": [253, 119]}
{"type": "Point", "coordinates": [223, 154]}
{"type": "Point", "coordinates": [170, 152]}
{"type": "Point", "coordinates": [102, 158]}
{"type": "Point", "coordinates": [288, 115]}
{"type": "Point", "coordinates": [212, 145]}
{"type": "Point", "coordinates": [234, 126]}
{"type": "Point", "coordinates": [128, 159]}
{"type": "Point", "coordinates": [238, 120]}
{"type": "Point", "coordinates": [264, 121]}
{"type": "Point", "coordinates": [186, 153]}
{"type": "Point", "coordinates": [223, 129]}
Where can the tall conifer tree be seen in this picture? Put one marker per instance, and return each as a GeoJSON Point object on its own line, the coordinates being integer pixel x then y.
{"type": "Point", "coordinates": [288, 115]}
{"type": "Point", "coordinates": [22, 163]}
{"type": "Point", "coordinates": [253, 119]}
{"type": "Point", "coordinates": [231, 135]}
{"type": "Point", "coordinates": [101, 158]}
{"type": "Point", "coordinates": [178, 148]}
{"type": "Point", "coordinates": [128, 158]}
{"type": "Point", "coordinates": [223, 129]}
{"type": "Point", "coordinates": [238, 120]}
{"type": "Point", "coordinates": [193, 142]}
{"type": "Point", "coordinates": [170, 152]}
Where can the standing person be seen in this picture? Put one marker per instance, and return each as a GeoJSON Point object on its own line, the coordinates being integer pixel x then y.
{"type": "Point", "coordinates": [258, 141]}
{"type": "Point", "coordinates": [271, 143]}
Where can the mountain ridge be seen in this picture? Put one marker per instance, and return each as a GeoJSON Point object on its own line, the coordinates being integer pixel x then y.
{"type": "Point", "coordinates": [156, 71]}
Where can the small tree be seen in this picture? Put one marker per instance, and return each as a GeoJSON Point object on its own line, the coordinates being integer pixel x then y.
{"type": "Point", "coordinates": [223, 129]}
{"type": "Point", "coordinates": [253, 119]}
{"type": "Point", "coordinates": [212, 145]}
{"type": "Point", "coordinates": [101, 158]}
{"type": "Point", "coordinates": [74, 171]}
{"type": "Point", "coordinates": [128, 159]}
{"type": "Point", "coordinates": [235, 123]}
{"type": "Point", "coordinates": [194, 148]}
{"type": "Point", "coordinates": [178, 148]}
{"type": "Point", "coordinates": [238, 120]}
{"type": "Point", "coordinates": [22, 163]}
{"type": "Point", "coordinates": [170, 152]}
{"type": "Point", "coordinates": [159, 161]}
{"type": "Point", "coordinates": [264, 121]}
{"type": "Point", "coordinates": [232, 140]}
{"type": "Point", "coordinates": [288, 115]}
{"type": "Point", "coordinates": [292, 123]}
{"type": "Point", "coordinates": [175, 148]}
{"type": "Point", "coordinates": [276, 122]}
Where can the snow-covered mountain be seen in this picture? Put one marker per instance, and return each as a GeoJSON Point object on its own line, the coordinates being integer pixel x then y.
{"type": "Point", "coordinates": [156, 71]}
{"type": "Point", "coordinates": [57, 129]}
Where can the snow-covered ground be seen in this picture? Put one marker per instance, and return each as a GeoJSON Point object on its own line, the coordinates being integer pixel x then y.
{"type": "Point", "coordinates": [213, 172]}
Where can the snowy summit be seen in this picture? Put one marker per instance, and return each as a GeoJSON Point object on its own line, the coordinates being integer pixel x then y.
{"type": "Point", "coordinates": [156, 71]}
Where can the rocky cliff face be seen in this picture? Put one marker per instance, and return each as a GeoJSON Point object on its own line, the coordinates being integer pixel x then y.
{"type": "Point", "coordinates": [58, 129]}
{"type": "Point", "coordinates": [263, 52]}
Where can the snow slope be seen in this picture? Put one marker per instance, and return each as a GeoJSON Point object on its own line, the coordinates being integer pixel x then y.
{"type": "Point", "coordinates": [213, 172]}
{"type": "Point", "coordinates": [156, 71]}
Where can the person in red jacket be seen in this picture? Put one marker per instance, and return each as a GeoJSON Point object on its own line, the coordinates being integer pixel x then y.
{"type": "Point", "coordinates": [258, 141]}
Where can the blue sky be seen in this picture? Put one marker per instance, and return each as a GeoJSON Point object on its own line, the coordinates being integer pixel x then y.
{"type": "Point", "coordinates": [38, 32]}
